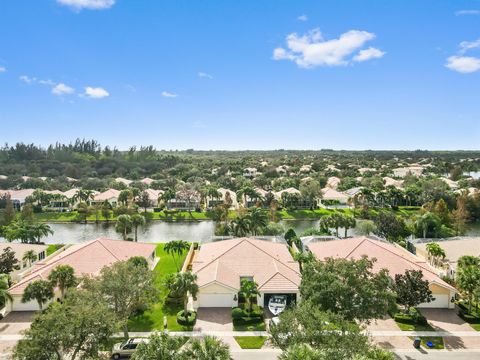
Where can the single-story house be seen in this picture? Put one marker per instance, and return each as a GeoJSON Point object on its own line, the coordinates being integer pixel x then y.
{"type": "Point", "coordinates": [333, 182]}
{"type": "Point", "coordinates": [147, 181]}
{"type": "Point", "coordinates": [388, 181]}
{"type": "Point", "coordinates": [332, 196]}
{"type": "Point", "coordinates": [20, 249]}
{"type": "Point", "coordinates": [110, 195]}
{"type": "Point", "coordinates": [225, 194]}
{"type": "Point", "coordinates": [18, 197]}
{"type": "Point", "coordinates": [123, 181]}
{"type": "Point", "coordinates": [389, 256]}
{"type": "Point", "coordinates": [415, 170]}
{"type": "Point", "coordinates": [454, 248]}
{"type": "Point", "coordinates": [153, 195]}
{"type": "Point", "coordinates": [86, 259]}
{"type": "Point", "coordinates": [220, 267]}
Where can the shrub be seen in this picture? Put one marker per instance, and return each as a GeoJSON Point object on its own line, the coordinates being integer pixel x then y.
{"type": "Point", "coordinates": [192, 317]}
{"type": "Point", "coordinates": [237, 313]}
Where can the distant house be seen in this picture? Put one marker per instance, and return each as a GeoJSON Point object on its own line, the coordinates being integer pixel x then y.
{"type": "Point", "coordinates": [220, 267]}
{"type": "Point", "coordinates": [20, 249]}
{"type": "Point", "coordinates": [147, 181]}
{"type": "Point", "coordinates": [110, 195]}
{"type": "Point", "coordinates": [451, 184]}
{"type": "Point", "coordinates": [123, 181]}
{"type": "Point", "coordinates": [366, 170]}
{"type": "Point", "coordinates": [388, 256]}
{"type": "Point", "coordinates": [401, 172]}
{"type": "Point", "coordinates": [225, 194]}
{"type": "Point", "coordinates": [184, 202]}
{"type": "Point", "coordinates": [333, 182]}
{"type": "Point", "coordinates": [18, 197]}
{"type": "Point", "coordinates": [388, 181]}
{"type": "Point", "coordinates": [305, 169]}
{"type": "Point", "coordinates": [254, 201]}
{"type": "Point", "coordinates": [154, 195]}
{"type": "Point", "coordinates": [333, 198]}
{"type": "Point", "coordinates": [353, 191]}
{"type": "Point", "coordinates": [250, 172]}
{"type": "Point", "coordinates": [86, 259]}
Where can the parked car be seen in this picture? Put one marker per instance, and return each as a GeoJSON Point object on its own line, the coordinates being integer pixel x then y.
{"type": "Point", "coordinates": [126, 349]}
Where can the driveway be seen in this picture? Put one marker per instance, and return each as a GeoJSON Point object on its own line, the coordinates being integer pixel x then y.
{"type": "Point", "coordinates": [448, 320]}
{"type": "Point", "coordinates": [214, 319]}
{"type": "Point", "coordinates": [389, 342]}
{"type": "Point", "coordinates": [16, 322]}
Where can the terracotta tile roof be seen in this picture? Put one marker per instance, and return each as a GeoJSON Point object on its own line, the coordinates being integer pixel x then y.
{"type": "Point", "coordinates": [393, 258]}
{"type": "Point", "coordinates": [107, 195]}
{"type": "Point", "coordinates": [270, 264]}
{"type": "Point", "coordinates": [87, 259]}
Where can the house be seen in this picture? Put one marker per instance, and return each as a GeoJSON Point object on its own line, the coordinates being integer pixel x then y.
{"type": "Point", "coordinates": [110, 195]}
{"type": "Point", "coordinates": [147, 181]}
{"type": "Point", "coordinates": [454, 248]}
{"type": "Point", "coordinates": [250, 172]}
{"type": "Point", "coordinates": [333, 182]}
{"type": "Point", "coordinates": [253, 201]}
{"type": "Point", "coordinates": [18, 197]}
{"type": "Point", "coordinates": [401, 172]}
{"type": "Point", "coordinates": [451, 184]}
{"type": "Point", "coordinates": [333, 197]}
{"type": "Point", "coordinates": [86, 259]}
{"type": "Point", "coordinates": [184, 201]}
{"type": "Point", "coordinates": [226, 196]}
{"type": "Point", "coordinates": [282, 169]}
{"type": "Point", "coordinates": [20, 249]}
{"type": "Point", "coordinates": [123, 181]}
{"type": "Point", "coordinates": [388, 181]}
{"type": "Point", "coordinates": [304, 169]}
{"type": "Point", "coordinates": [388, 256]}
{"type": "Point", "coordinates": [154, 195]}
{"type": "Point", "coordinates": [220, 267]}
{"type": "Point", "coordinates": [367, 170]}
{"type": "Point", "coordinates": [353, 191]}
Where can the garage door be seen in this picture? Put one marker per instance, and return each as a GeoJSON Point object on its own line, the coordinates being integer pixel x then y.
{"type": "Point", "coordinates": [215, 300]}
{"type": "Point", "coordinates": [28, 306]}
{"type": "Point", "coordinates": [441, 301]}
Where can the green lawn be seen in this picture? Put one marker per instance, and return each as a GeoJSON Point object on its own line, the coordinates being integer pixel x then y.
{"type": "Point", "coordinates": [52, 248]}
{"type": "Point", "coordinates": [251, 342]}
{"type": "Point", "coordinates": [152, 319]}
{"type": "Point", "coordinates": [437, 342]}
{"type": "Point", "coordinates": [406, 323]}
{"type": "Point", "coordinates": [475, 326]}
{"type": "Point", "coordinates": [249, 325]}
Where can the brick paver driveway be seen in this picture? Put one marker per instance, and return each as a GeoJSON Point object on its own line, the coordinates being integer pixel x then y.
{"type": "Point", "coordinates": [214, 319]}
{"type": "Point", "coordinates": [448, 320]}
{"type": "Point", "coordinates": [15, 322]}
{"type": "Point", "coordinates": [389, 342]}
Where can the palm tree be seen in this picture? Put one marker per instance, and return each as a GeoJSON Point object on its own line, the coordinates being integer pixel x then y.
{"type": "Point", "coordinates": [176, 247]}
{"type": "Point", "coordinates": [435, 253]}
{"type": "Point", "coordinates": [4, 294]}
{"type": "Point", "coordinates": [82, 195]}
{"type": "Point", "coordinates": [300, 351]}
{"type": "Point", "coordinates": [29, 256]}
{"type": "Point", "coordinates": [63, 277]}
{"type": "Point", "coordinates": [258, 219]}
{"type": "Point", "coordinates": [468, 281]}
{"type": "Point", "coordinates": [41, 230]}
{"type": "Point", "coordinates": [160, 346]}
{"type": "Point", "coordinates": [137, 220]}
{"type": "Point", "coordinates": [249, 289]}
{"type": "Point", "coordinates": [241, 226]}
{"type": "Point", "coordinates": [184, 284]}
{"type": "Point", "coordinates": [302, 258]}
{"type": "Point", "coordinates": [207, 348]}
{"type": "Point", "coordinates": [348, 222]}
{"type": "Point", "coordinates": [124, 225]}
{"type": "Point", "coordinates": [39, 290]}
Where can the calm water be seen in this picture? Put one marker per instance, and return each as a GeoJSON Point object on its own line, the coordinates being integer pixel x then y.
{"type": "Point", "coordinates": [160, 231]}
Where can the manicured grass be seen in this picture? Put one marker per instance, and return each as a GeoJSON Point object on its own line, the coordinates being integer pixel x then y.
{"type": "Point", "coordinates": [249, 324]}
{"type": "Point", "coordinates": [251, 342]}
{"type": "Point", "coordinates": [52, 248]}
{"type": "Point", "coordinates": [152, 319]}
{"type": "Point", "coordinates": [475, 326]}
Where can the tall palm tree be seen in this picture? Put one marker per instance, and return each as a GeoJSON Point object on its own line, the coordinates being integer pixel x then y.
{"type": "Point", "coordinates": [249, 289]}
{"type": "Point", "coordinates": [30, 256]}
{"type": "Point", "coordinates": [39, 290]}
{"type": "Point", "coordinates": [41, 230]}
{"type": "Point", "coordinates": [435, 253]}
{"type": "Point", "coordinates": [83, 195]}
{"type": "Point", "coordinates": [124, 225]}
{"type": "Point", "coordinates": [348, 222]}
{"type": "Point", "coordinates": [207, 348]}
{"type": "Point", "coordinates": [160, 346]}
{"type": "Point", "coordinates": [5, 296]}
{"type": "Point", "coordinates": [63, 277]}
{"type": "Point", "coordinates": [241, 226]}
{"type": "Point", "coordinates": [176, 247]}
{"type": "Point", "coordinates": [258, 219]}
{"type": "Point", "coordinates": [184, 284]}
{"type": "Point", "coordinates": [137, 220]}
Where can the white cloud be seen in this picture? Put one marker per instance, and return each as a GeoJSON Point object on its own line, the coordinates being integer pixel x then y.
{"type": "Point", "coordinates": [463, 64]}
{"type": "Point", "coordinates": [367, 54]}
{"type": "Point", "coordinates": [3, 69]}
{"type": "Point", "coordinates": [302, 17]}
{"type": "Point", "coordinates": [469, 45]}
{"type": "Point", "coordinates": [168, 94]}
{"type": "Point", "coordinates": [87, 4]}
{"type": "Point", "coordinates": [96, 92]}
{"type": "Point", "coordinates": [205, 75]}
{"type": "Point", "coordinates": [62, 89]}
{"type": "Point", "coordinates": [467, 12]}
{"type": "Point", "coordinates": [312, 50]}
{"type": "Point", "coordinates": [27, 79]}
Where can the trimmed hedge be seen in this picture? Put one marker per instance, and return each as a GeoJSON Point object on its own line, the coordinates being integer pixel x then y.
{"type": "Point", "coordinates": [192, 318]}
{"type": "Point", "coordinates": [413, 317]}
{"type": "Point", "coordinates": [242, 312]}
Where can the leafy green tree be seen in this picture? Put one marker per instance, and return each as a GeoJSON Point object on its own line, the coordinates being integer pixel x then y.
{"type": "Point", "coordinates": [26, 214]}
{"type": "Point", "coordinates": [412, 290]}
{"type": "Point", "coordinates": [63, 277]}
{"type": "Point", "coordinates": [241, 226]}
{"type": "Point", "coordinates": [144, 201]}
{"type": "Point", "coordinates": [303, 257]}
{"type": "Point", "coordinates": [258, 220]}
{"type": "Point", "coordinates": [183, 284]}
{"type": "Point", "coordinates": [106, 210]}
{"type": "Point", "coordinates": [39, 290]}
{"type": "Point", "coordinates": [365, 227]}
{"type": "Point", "coordinates": [84, 211]}
{"type": "Point", "coordinates": [468, 281]}
{"type": "Point", "coordinates": [348, 222]}
{"type": "Point", "coordinates": [8, 212]}
{"type": "Point", "coordinates": [160, 346]}
{"type": "Point", "coordinates": [348, 287]}
{"type": "Point", "coordinates": [249, 289]}
{"type": "Point", "coordinates": [176, 248]}
{"type": "Point", "coordinates": [290, 235]}
{"type": "Point", "coordinates": [137, 220]}
{"type": "Point", "coordinates": [207, 348]}
{"type": "Point", "coordinates": [125, 287]}
{"type": "Point", "coordinates": [5, 295]}
{"type": "Point", "coordinates": [8, 261]}
{"type": "Point", "coordinates": [41, 230]}
{"type": "Point", "coordinates": [124, 225]}
{"type": "Point", "coordinates": [391, 227]}
{"type": "Point", "coordinates": [460, 215]}
{"type": "Point", "coordinates": [72, 330]}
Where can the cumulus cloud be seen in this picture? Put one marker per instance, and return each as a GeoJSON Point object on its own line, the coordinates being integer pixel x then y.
{"type": "Point", "coordinates": [302, 17]}
{"type": "Point", "coordinates": [311, 49]}
{"type": "Point", "coordinates": [204, 75]}
{"type": "Point", "coordinates": [169, 94]}
{"type": "Point", "coordinates": [469, 45]}
{"type": "Point", "coordinates": [367, 54]}
{"type": "Point", "coordinates": [467, 12]}
{"type": "Point", "coordinates": [96, 92]}
{"type": "Point", "coordinates": [463, 64]}
{"type": "Point", "coordinates": [87, 4]}
{"type": "Point", "coordinates": [3, 69]}
{"type": "Point", "coordinates": [62, 89]}
{"type": "Point", "coordinates": [27, 79]}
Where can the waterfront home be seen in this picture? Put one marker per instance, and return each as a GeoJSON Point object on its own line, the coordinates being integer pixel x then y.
{"type": "Point", "coordinates": [110, 195]}
{"type": "Point", "coordinates": [19, 250]}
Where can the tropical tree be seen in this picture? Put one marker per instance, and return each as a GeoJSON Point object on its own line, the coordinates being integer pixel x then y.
{"type": "Point", "coordinates": [435, 253]}
{"type": "Point", "coordinates": [106, 210]}
{"type": "Point", "coordinates": [40, 230]}
{"type": "Point", "coordinates": [83, 195]}
{"type": "Point", "coordinates": [365, 227]}
{"type": "Point", "coordinates": [160, 346]}
{"type": "Point", "coordinates": [5, 295]}
{"type": "Point", "coordinates": [124, 225]}
{"type": "Point", "coordinates": [137, 220]}
{"type": "Point", "coordinates": [468, 281]}
{"type": "Point", "coordinates": [257, 220]}
{"type": "Point", "coordinates": [84, 211]}
{"type": "Point", "coordinates": [183, 284]}
{"type": "Point", "coordinates": [63, 277]}
{"type": "Point", "coordinates": [39, 290]}
{"type": "Point", "coordinates": [412, 290]}
{"type": "Point", "coordinates": [29, 257]}
{"type": "Point", "coordinates": [241, 226]}
{"type": "Point", "coordinates": [348, 222]}
{"type": "Point", "coordinates": [249, 290]}
{"type": "Point", "coordinates": [8, 261]}
{"type": "Point", "coordinates": [176, 248]}
{"type": "Point", "coordinates": [144, 201]}
{"type": "Point", "coordinates": [125, 196]}
{"type": "Point", "coordinates": [207, 348]}
{"type": "Point", "coordinates": [303, 257]}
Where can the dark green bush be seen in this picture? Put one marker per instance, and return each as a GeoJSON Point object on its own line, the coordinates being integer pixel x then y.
{"type": "Point", "coordinates": [192, 317]}
{"type": "Point", "coordinates": [237, 313]}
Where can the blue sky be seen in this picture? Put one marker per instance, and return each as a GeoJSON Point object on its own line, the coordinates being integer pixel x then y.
{"type": "Point", "coordinates": [250, 74]}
